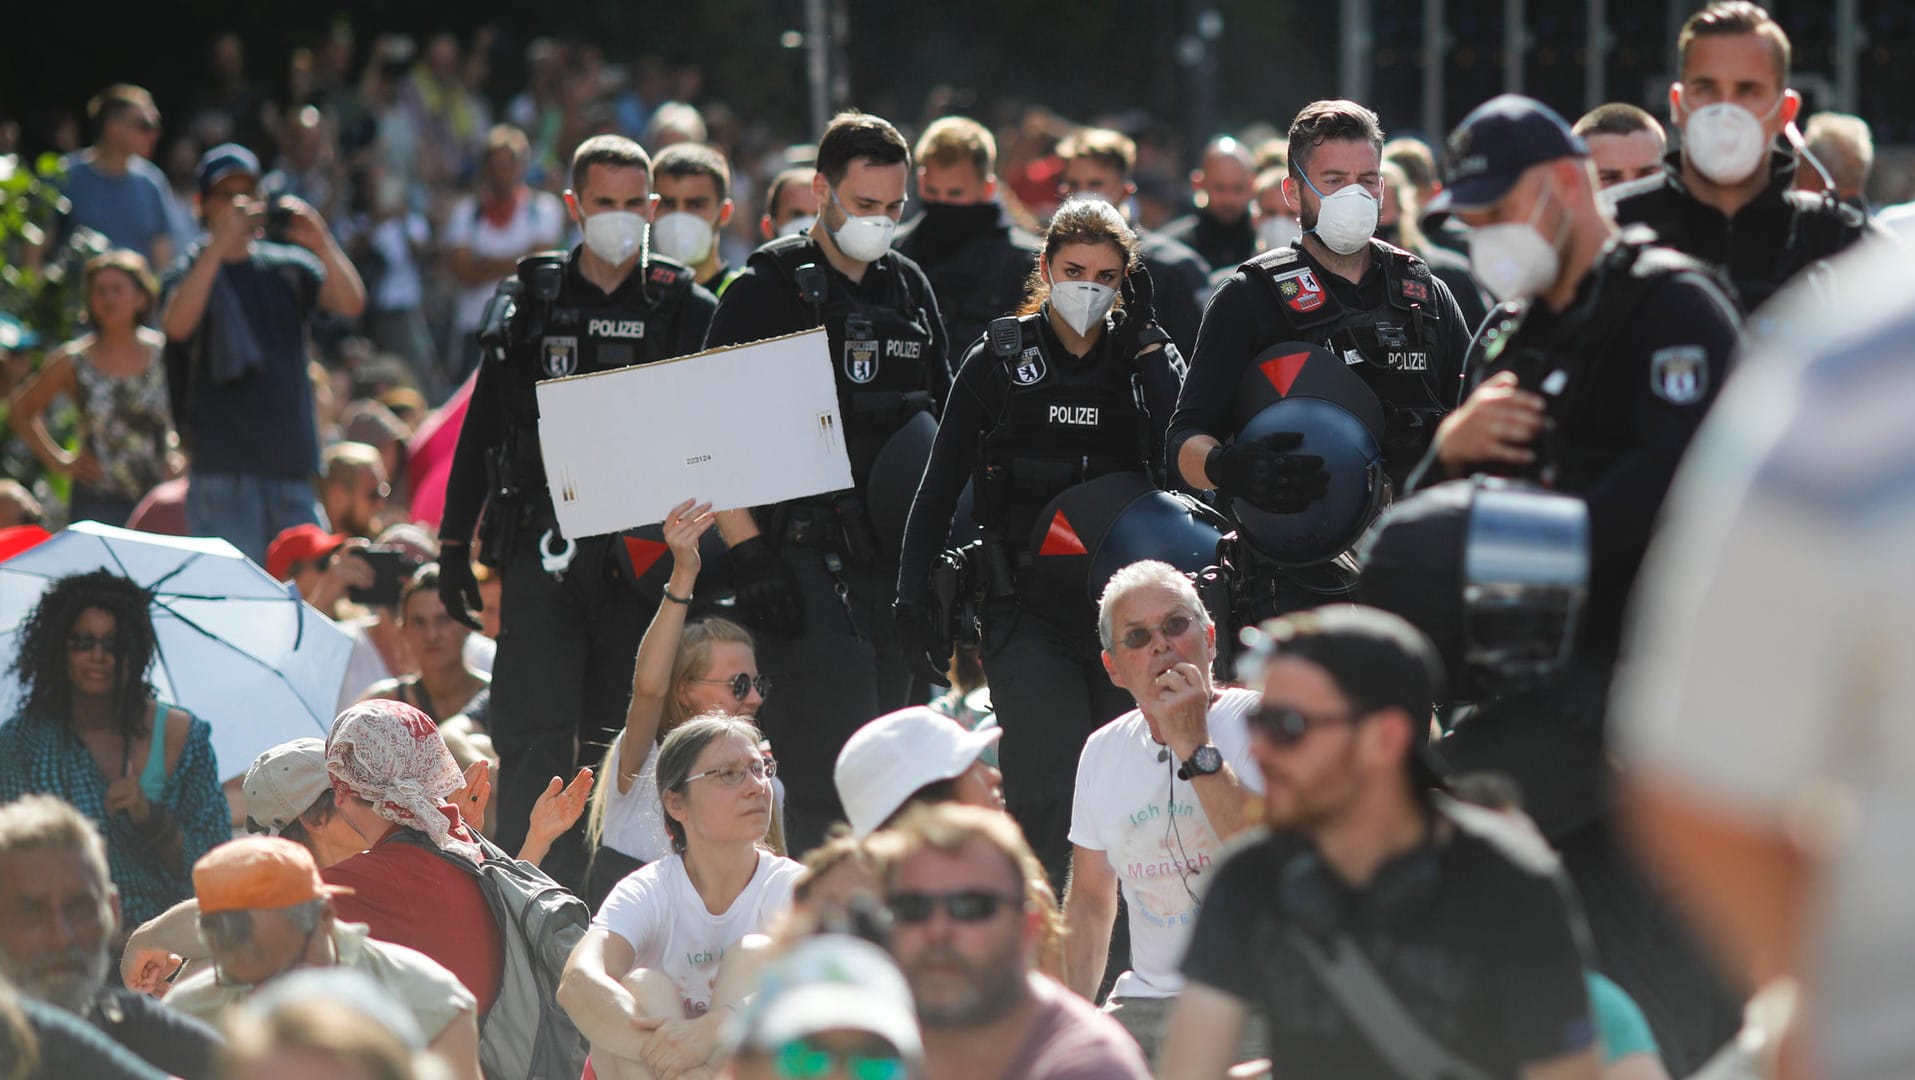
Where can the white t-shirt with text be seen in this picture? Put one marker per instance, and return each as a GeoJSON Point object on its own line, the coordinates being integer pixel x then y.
{"type": "Point", "coordinates": [1130, 805]}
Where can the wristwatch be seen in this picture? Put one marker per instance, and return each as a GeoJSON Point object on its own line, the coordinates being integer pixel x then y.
{"type": "Point", "coordinates": [1206, 760]}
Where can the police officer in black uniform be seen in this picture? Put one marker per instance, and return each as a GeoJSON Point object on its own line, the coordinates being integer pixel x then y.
{"type": "Point", "coordinates": [976, 257]}
{"type": "Point", "coordinates": [1590, 379]}
{"type": "Point", "coordinates": [1045, 401]}
{"type": "Point", "coordinates": [569, 627]}
{"type": "Point", "coordinates": [810, 574]}
{"type": "Point", "coordinates": [1375, 305]}
{"type": "Point", "coordinates": [1726, 196]}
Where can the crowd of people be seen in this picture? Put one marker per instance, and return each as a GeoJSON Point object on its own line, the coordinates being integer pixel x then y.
{"type": "Point", "coordinates": [1280, 556]}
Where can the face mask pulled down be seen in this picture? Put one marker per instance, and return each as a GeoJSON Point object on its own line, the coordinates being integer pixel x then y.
{"type": "Point", "coordinates": [1725, 142]}
{"type": "Point", "coordinates": [1512, 259]}
{"type": "Point", "coordinates": [1082, 304]}
{"type": "Point", "coordinates": [866, 238]}
{"type": "Point", "coordinates": [1346, 219]}
{"type": "Point", "coordinates": [614, 235]}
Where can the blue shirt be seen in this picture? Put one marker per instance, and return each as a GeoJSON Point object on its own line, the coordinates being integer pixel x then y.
{"type": "Point", "coordinates": [131, 209]}
{"type": "Point", "coordinates": [262, 423]}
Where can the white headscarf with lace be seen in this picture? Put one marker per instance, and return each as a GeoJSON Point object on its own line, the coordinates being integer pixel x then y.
{"type": "Point", "coordinates": [391, 755]}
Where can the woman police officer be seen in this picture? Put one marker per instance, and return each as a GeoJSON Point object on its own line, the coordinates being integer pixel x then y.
{"type": "Point", "coordinates": [1063, 393]}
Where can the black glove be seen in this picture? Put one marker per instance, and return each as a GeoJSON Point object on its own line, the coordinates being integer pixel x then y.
{"type": "Point", "coordinates": [1139, 310]}
{"type": "Point", "coordinates": [1263, 473]}
{"type": "Point", "coordinates": [921, 642]}
{"type": "Point", "coordinates": [766, 589]}
{"type": "Point", "coordinates": [458, 589]}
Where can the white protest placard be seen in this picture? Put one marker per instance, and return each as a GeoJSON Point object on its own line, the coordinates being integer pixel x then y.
{"type": "Point", "coordinates": [740, 426]}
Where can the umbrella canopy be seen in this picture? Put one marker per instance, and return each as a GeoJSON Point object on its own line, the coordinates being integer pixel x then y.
{"type": "Point", "coordinates": [236, 648]}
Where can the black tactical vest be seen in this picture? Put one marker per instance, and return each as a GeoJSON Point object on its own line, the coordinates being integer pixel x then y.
{"type": "Point", "coordinates": [1398, 347]}
{"type": "Point", "coordinates": [579, 332]}
{"type": "Point", "coordinates": [1060, 424]}
{"type": "Point", "coordinates": [879, 351]}
{"type": "Point", "coordinates": [1573, 452]}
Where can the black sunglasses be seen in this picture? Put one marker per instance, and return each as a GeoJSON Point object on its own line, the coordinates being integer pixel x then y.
{"type": "Point", "coordinates": [1288, 727]}
{"type": "Point", "coordinates": [741, 684]}
{"type": "Point", "coordinates": [1173, 628]}
{"type": "Point", "coordinates": [965, 905]}
{"type": "Point", "coordinates": [82, 642]}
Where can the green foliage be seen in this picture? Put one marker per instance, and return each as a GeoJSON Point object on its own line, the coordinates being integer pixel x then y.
{"type": "Point", "coordinates": [40, 286]}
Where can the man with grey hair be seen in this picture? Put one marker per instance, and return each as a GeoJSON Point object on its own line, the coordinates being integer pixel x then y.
{"type": "Point", "coordinates": [1845, 148]}
{"type": "Point", "coordinates": [264, 912]}
{"type": "Point", "coordinates": [1159, 790]}
{"type": "Point", "coordinates": [59, 913]}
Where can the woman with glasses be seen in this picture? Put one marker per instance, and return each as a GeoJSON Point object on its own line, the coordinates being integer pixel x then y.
{"type": "Point", "coordinates": [91, 731]}
{"type": "Point", "coordinates": [646, 984]}
{"type": "Point", "coordinates": [1080, 387]}
{"type": "Point", "coordinates": [682, 671]}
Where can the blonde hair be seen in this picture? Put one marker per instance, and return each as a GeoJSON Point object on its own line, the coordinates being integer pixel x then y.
{"type": "Point", "coordinates": [691, 661]}
{"type": "Point", "coordinates": [128, 262]}
{"type": "Point", "coordinates": [331, 1028]}
{"type": "Point", "coordinates": [951, 140]}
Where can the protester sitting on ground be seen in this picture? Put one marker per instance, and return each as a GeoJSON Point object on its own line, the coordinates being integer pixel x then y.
{"type": "Point", "coordinates": [833, 1005]}
{"type": "Point", "coordinates": [677, 941]}
{"type": "Point", "coordinates": [966, 937]}
{"type": "Point", "coordinates": [288, 793]}
{"type": "Point", "coordinates": [264, 912]}
{"type": "Point", "coordinates": [445, 687]}
{"type": "Point", "coordinates": [59, 917]}
{"type": "Point", "coordinates": [682, 671]}
{"type": "Point", "coordinates": [117, 384]}
{"type": "Point", "coordinates": [914, 756]}
{"type": "Point", "coordinates": [326, 1022]}
{"type": "Point", "coordinates": [91, 731]}
{"type": "Point", "coordinates": [391, 777]}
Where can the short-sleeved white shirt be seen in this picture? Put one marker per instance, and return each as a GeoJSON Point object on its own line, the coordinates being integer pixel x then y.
{"type": "Point", "coordinates": [1130, 805]}
{"type": "Point", "coordinates": [538, 224]}
{"type": "Point", "coordinates": [660, 914]}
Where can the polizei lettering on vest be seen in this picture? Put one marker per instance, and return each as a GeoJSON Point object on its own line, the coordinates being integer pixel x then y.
{"type": "Point", "coordinates": [1075, 415]}
{"type": "Point", "coordinates": [903, 350]}
{"type": "Point", "coordinates": [625, 328]}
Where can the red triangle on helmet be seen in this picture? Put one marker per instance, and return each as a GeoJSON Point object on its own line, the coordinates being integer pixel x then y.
{"type": "Point", "coordinates": [1282, 371]}
{"type": "Point", "coordinates": [644, 553]}
{"type": "Point", "coordinates": [1061, 539]}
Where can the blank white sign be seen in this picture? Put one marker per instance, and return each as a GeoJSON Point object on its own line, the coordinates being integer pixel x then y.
{"type": "Point", "coordinates": [739, 426]}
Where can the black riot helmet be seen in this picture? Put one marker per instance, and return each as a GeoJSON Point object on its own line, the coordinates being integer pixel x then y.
{"type": "Point", "coordinates": [1303, 388]}
{"type": "Point", "coordinates": [1494, 572]}
{"type": "Point", "coordinates": [893, 485]}
{"type": "Point", "coordinates": [1091, 531]}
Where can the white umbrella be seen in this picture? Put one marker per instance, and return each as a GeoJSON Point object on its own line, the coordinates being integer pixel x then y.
{"type": "Point", "coordinates": [235, 648]}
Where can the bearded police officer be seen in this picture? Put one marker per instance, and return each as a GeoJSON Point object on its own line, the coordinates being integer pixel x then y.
{"type": "Point", "coordinates": [812, 575]}
{"type": "Point", "coordinates": [1726, 196]}
{"type": "Point", "coordinates": [1371, 304]}
{"type": "Point", "coordinates": [570, 628]}
{"type": "Point", "coordinates": [1589, 379]}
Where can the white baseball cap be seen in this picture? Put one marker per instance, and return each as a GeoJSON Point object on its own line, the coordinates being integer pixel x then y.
{"type": "Point", "coordinates": [283, 783]}
{"type": "Point", "coordinates": [825, 983]}
{"type": "Point", "coordinates": [890, 758]}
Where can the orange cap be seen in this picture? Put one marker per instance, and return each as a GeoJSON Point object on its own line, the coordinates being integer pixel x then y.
{"type": "Point", "coordinates": [257, 872]}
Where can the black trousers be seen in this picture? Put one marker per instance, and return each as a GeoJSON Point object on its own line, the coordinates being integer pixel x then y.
{"type": "Point", "coordinates": [842, 670]}
{"type": "Point", "coordinates": [561, 680]}
{"type": "Point", "coordinates": [1049, 690]}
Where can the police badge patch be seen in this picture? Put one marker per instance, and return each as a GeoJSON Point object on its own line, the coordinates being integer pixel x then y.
{"type": "Point", "coordinates": [1300, 290]}
{"type": "Point", "coordinates": [861, 361]}
{"type": "Point", "coordinates": [1030, 368]}
{"type": "Point", "coordinates": [1679, 374]}
{"type": "Point", "coordinates": [561, 357]}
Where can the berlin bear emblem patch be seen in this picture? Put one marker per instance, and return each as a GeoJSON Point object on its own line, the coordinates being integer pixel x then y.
{"type": "Point", "coordinates": [861, 361]}
{"type": "Point", "coordinates": [1300, 290]}
{"type": "Point", "coordinates": [560, 357]}
{"type": "Point", "coordinates": [1679, 374]}
{"type": "Point", "coordinates": [1030, 368]}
